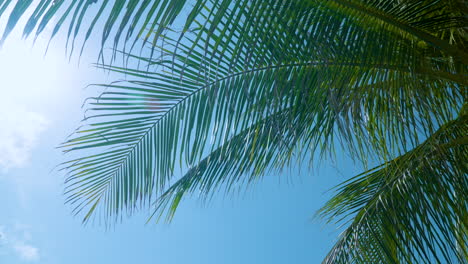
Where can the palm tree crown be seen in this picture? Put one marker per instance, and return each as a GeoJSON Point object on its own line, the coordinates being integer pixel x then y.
{"type": "Point", "coordinates": [247, 87]}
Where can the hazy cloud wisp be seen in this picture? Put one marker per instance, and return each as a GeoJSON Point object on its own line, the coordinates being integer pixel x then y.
{"type": "Point", "coordinates": [16, 241]}
{"type": "Point", "coordinates": [26, 252]}
{"type": "Point", "coordinates": [19, 132]}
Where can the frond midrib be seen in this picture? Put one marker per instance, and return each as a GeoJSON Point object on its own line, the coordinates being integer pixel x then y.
{"type": "Point", "coordinates": [428, 38]}
{"type": "Point", "coordinates": [233, 75]}
{"type": "Point", "coordinates": [323, 63]}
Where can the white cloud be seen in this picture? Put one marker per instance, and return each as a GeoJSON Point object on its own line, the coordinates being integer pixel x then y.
{"type": "Point", "coordinates": [19, 132]}
{"type": "Point", "coordinates": [16, 241]}
{"type": "Point", "coordinates": [27, 252]}
{"type": "Point", "coordinates": [3, 238]}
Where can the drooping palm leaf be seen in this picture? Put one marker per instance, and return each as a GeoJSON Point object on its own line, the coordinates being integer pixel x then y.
{"type": "Point", "coordinates": [123, 20]}
{"type": "Point", "coordinates": [244, 64]}
{"type": "Point", "coordinates": [412, 209]}
{"type": "Point", "coordinates": [249, 86]}
{"type": "Point", "coordinates": [440, 23]}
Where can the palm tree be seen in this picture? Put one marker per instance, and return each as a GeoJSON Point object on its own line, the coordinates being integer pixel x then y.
{"type": "Point", "coordinates": [245, 88]}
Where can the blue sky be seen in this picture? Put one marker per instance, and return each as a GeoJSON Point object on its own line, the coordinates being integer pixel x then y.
{"type": "Point", "coordinates": [272, 222]}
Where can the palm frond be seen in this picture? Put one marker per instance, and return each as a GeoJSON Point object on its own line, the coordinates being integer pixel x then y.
{"type": "Point", "coordinates": [246, 87]}
{"type": "Point", "coordinates": [441, 24]}
{"type": "Point", "coordinates": [264, 146]}
{"type": "Point", "coordinates": [123, 20]}
{"type": "Point", "coordinates": [248, 62]}
{"type": "Point", "coordinates": [412, 209]}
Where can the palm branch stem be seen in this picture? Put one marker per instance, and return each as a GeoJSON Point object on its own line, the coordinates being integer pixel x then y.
{"type": "Point", "coordinates": [438, 43]}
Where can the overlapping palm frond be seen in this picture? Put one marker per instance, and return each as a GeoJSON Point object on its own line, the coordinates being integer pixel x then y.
{"type": "Point", "coordinates": [368, 87]}
{"type": "Point", "coordinates": [120, 21]}
{"type": "Point", "coordinates": [249, 86]}
{"type": "Point", "coordinates": [440, 23]}
{"type": "Point", "coordinates": [412, 209]}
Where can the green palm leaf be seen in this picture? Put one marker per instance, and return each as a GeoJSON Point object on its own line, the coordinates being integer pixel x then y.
{"type": "Point", "coordinates": [167, 116]}
{"type": "Point", "coordinates": [436, 23]}
{"type": "Point", "coordinates": [129, 18]}
{"type": "Point", "coordinates": [411, 209]}
{"type": "Point", "coordinates": [247, 87]}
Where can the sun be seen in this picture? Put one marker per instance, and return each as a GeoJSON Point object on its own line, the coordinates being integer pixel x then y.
{"type": "Point", "coordinates": [27, 76]}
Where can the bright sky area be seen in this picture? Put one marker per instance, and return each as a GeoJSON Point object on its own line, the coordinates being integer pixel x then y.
{"type": "Point", "coordinates": [41, 105]}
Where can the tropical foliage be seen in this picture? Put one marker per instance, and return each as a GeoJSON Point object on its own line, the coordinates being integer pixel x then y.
{"type": "Point", "coordinates": [244, 88]}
